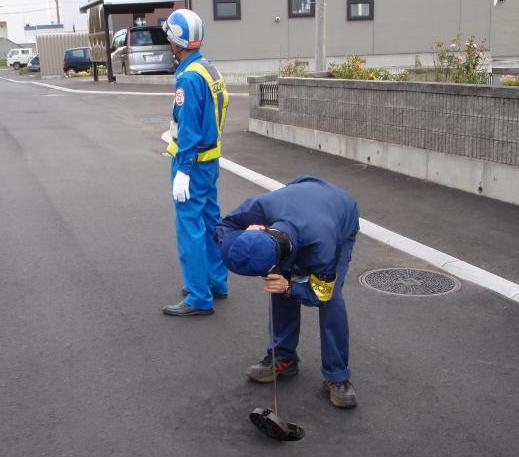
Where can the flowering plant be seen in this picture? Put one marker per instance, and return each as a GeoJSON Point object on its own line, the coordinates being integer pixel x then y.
{"type": "Point", "coordinates": [297, 69]}
{"type": "Point", "coordinates": [460, 64]}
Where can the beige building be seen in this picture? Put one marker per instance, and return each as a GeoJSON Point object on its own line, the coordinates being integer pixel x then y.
{"type": "Point", "coordinates": [252, 35]}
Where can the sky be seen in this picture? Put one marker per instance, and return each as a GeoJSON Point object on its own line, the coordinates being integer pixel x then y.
{"type": "Point", "coordinates": [33, 11]}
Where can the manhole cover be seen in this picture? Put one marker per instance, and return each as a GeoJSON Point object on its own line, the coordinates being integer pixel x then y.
{"type": "Point", "coordinates": [409, 281]}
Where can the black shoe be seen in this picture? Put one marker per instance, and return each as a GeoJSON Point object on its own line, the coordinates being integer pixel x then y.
{"type": "Point", "coordinates": [183, 309]}
{"type": "Point", "coordinates": [262, 372]}
{"type": "Point", "coordinates": [342, 394]}
{"type": "Point", "coordinates": [185, 293]}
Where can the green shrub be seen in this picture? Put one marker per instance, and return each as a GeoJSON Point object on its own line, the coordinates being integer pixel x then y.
{"type": "Point", "coordinates": [298, 69]}
{"type": "Point", "coordinates": [460, 64]}
{"type": "Point", "coordinates": [510, 81]}
{"type": "Point", "coordinates": [355, 68]}
{"type": "Point", "coordinates": [3, 62]}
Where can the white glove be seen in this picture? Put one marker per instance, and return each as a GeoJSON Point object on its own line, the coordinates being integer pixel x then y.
{"type": "Point", "coordinates": [181, 187]}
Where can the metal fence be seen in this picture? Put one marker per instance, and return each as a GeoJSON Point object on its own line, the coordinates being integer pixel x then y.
{"type": "Point", "coordinates": [269, 94]}
{"type": "Point", "coordinates": [51, 47]}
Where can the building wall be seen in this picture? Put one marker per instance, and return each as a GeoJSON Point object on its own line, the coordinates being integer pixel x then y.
{"type": "Point", "coordinates": [3, 29]}
{"type": "Point", "coordinates": [31, 34]}
{"type": "Point", "coordinates": [399, 27]}
{"type": "Point", "coordinates": [26, 14]}
{"type": "Point", "coordinates": [120, 21]}
{"type": "Point", "coordinates": [505, 29]}
{"type": "Point", "coordinates": [5, 46]}
{"type": "Point", "coordinates": [71, 17]}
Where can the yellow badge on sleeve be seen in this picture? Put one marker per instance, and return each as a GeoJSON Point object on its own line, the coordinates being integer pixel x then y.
{"type": "Point", "coordinates": [322, 289]}
{"type": "Point", "coordinates": [172, 148]}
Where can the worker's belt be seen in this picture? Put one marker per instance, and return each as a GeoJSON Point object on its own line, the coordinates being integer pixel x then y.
{"type": "Point", "coordinates": [205, 153]}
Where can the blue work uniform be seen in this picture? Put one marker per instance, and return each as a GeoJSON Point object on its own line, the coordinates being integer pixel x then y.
{"type": "Point", "coordinates": [321, 222]}
{"type": "Point", "coordinates": [198, 134]}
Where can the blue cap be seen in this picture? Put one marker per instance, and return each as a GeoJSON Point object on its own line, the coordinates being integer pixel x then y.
{"type": "Point", "coordinates": [250, 252]}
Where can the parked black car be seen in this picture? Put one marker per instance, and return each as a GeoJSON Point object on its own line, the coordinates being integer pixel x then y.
{"type": "Point", "coordinates": [34, 64]}
{"type": "Point", "coordinates": [77, 59]}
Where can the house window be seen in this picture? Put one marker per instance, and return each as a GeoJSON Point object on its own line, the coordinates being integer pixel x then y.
{"type": "Point", "coordinates": [360, 10]}
{"type": "Point", "coordinates": [226, 9]}
{"type": "Point", "coordinates": [301, 8]}
{"type": "Point", "coordinates": [139, 20]}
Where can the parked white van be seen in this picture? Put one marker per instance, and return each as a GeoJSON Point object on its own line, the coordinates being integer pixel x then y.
{"type": "Point", "coordinates": [19, 57]}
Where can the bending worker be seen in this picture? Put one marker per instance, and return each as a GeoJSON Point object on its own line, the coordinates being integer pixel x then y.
{"type": "Point", "coordinates": [300, 238]}
{"type": "Point", "coordinates": [199, 111]}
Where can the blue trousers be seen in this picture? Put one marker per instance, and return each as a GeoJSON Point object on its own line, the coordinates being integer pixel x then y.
{"type": "Point", "coordinates": [200, 259]}
{"type": "Point", "coordinates": [333, 323]}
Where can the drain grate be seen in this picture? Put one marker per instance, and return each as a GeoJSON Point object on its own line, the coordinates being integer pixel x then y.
{"type": "Point", "coordinates": [409, 282]}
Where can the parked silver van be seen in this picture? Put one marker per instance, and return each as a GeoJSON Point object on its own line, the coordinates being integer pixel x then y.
{"type": "Point", "coordinates": [140, 50]}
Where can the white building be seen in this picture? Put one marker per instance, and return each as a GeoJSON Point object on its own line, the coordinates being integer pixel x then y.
{"type": "Point", "coordinates": [72, 19]}
{"type": "Point", "coordinates": [15, 15]}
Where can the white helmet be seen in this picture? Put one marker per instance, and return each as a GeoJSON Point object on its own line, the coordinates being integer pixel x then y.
{"type": "Point", "coordinates": [185, 29]}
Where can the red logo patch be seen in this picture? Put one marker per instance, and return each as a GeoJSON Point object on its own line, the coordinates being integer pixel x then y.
{"type": "Point", "coordinates": [179, 97]}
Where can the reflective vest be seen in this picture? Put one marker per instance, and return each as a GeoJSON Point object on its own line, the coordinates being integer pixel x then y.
{"type": "Point", "coordinates": [221, 101]}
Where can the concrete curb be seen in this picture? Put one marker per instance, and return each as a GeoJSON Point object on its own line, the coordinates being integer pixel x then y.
{"type": "Point", "coordinates": [479, 177]}
{"type": "Point", "coordinates": [105, 92]}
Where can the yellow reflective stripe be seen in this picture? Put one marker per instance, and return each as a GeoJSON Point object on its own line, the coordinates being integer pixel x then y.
{"type": "Point", "coordinates": [205, 156]}
{"type": "Point", "coordinates": [322, 289]}
{"type": "Point", "coordinates": [212, 154]}
{"type": "Point", "coordinates": [224, 110]}
{"type": "Point", "coordinates": [215, 87]}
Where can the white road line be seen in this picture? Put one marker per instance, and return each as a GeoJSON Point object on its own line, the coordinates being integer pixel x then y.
{"type": "Point", "coordinates": [437, 258]}
{"type": "Point", "coordinates": [105, 92]}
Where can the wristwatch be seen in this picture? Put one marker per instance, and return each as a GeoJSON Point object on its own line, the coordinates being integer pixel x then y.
{"type": "Point", "coordinates": [288, 290]}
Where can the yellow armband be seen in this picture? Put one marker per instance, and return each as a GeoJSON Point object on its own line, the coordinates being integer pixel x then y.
{"type": "Point", "coordinates": [172, 148]}
{"type": "Point", "coordinates": [322, 289]}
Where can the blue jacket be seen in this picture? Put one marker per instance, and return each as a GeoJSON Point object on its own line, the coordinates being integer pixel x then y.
{"type": "Point", "coordinates": [193, 111]}
{"type": "Point", "coordinates": [318, 217]}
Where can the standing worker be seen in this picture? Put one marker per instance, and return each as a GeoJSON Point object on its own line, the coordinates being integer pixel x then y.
{"type": "Point", "coordinates": [300, 239]}
{"type": "Point", "coordinates": [199, 111]}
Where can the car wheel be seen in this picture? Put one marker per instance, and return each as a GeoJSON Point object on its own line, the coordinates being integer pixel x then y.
{"type": "Point", "coordinates": [16, 65]}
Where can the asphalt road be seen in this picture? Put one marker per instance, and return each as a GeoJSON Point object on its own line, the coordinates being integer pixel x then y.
{"type": "Point", "coordinates": [90, 367]}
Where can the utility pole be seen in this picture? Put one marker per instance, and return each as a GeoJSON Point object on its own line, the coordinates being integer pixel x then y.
{"type": "Point", "coordinates": [57, 12]}
{"type": "Point", "coordinates": [320, 35]}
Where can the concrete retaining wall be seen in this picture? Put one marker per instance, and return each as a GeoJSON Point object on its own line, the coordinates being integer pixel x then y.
{"type": "Point", "coordinates": [460, 136]}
